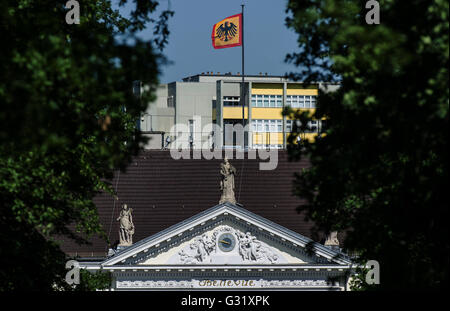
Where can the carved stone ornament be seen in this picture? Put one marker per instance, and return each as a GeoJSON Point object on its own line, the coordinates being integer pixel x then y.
{"type": "Point", "coordinates": [126, 229]}
{"type": "Point", "coordinates": [251, 249]}
{"type": "Point", "coordinates": [248, 248]}
{"type": "Point", "coordinates": [193, 283]}
{"type": "Point", "coordinates": [199, 250]}
{"type": "Point", "coordinates": [227, 171]}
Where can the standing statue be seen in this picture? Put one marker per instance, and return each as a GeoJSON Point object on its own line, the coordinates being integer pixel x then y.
{"type": "Point", "coordinates": [126, 230]}
{"type": "Point", "coordinates": [332, 239]}
{"type": "Point", "coordinates": [227, 183]}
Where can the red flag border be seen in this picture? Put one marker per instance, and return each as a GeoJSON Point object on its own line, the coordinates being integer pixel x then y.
{"type": "Point", "coordinates": [240, 33]}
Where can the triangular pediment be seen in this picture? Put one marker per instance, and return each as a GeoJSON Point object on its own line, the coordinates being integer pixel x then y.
{"type": "Point", "coordinates": [226, 235]}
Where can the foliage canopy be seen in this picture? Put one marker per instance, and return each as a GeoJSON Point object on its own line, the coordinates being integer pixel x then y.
{"type": "Point", "coordinates": [380, 169]}
{"type": "Point", "coordinates": [67, 121]}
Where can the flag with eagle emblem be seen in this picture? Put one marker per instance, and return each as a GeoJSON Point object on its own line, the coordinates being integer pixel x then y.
{"type": "Point", "coordinates": [228, 32]}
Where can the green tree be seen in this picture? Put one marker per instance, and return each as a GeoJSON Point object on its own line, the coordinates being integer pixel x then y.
{"type": "Point", "coordinates": [379, 171]}
{"type": "Point", "coordinates": [68, 119]}
{"type": "Point", "coordinates": [92, 281]}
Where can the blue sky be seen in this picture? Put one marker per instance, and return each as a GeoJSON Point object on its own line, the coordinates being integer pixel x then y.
{"type": "Point", "coordinates": [267, 39]}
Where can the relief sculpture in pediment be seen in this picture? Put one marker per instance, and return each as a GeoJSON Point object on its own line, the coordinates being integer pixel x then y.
{"type": "Point", "coordinates": [226, 241]}
{"type": "Point", "coordinates": [198, 251]}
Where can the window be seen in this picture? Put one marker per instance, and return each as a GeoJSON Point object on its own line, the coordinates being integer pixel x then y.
{"type": "Point", "coordinates": [279, 126]}
{"type": "Point", "coordinates": [307, 102]}
{"type": "Point", "coordinates": [267, 100]}
{"type": "Point", "coordinates": [301, 101]}
{"type": "Point", "coordinates": [289, 100]}
{"type": "Point", "coordinates": [231, 101]}
{"type": "Point", "coordinates": [313, 101]}
{"type": "Point", "coordinates": [267, 146]}
{"type": "Point", "coordinates": [272, 125]}
{"type": "Point", "coordinates": [279, 101]}
{"type": "Point", "coordinates": [312, 127]}
{"type": "Point", "coordinates": [170, 101]}
{"type": "Point", "coordinates": [288, 127]}
{"type": "Point", "coordinates": [267, 126]}
{"type": "Point", "coordinates": [191, 132]}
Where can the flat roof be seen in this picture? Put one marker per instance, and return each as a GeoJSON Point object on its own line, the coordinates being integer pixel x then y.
{"type": "Point", "coordinates": [211, 77]}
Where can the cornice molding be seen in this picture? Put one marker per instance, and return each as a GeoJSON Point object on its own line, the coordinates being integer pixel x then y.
{"type": "Point", "coordinates": [212, 217]}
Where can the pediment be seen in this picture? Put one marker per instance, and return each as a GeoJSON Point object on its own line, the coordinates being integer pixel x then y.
{"type": "Point", "coordinates": [225, 244]}
{"type": "Point", "coordinates": [226, 235]}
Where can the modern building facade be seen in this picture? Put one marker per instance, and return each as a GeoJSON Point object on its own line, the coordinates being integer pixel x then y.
{"type": "Point", "coordinates": [215, 99]}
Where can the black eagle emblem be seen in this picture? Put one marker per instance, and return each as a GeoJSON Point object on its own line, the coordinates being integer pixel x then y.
{"type": "Point", "coordinates": [226, 31]}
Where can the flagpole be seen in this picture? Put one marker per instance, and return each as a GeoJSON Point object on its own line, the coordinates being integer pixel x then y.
{"type": "Point", "coordinates": [243, 74]}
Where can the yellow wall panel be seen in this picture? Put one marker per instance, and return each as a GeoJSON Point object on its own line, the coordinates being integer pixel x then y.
{"type": "Point", "coordinates": [268, 138]}
{"type": "Point", "coordinates": [234, 112]}
{"type": "Point", "coordinates": [311, 110]}
{"type": "Point", "coordinates": [311, 137]}
{"type": "Point", "coordinates": [303, 91]}
{"type": "Point", "coordinates": [267, 113]}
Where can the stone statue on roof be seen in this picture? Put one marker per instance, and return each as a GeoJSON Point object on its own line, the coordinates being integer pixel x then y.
{"type": "Point", "coordinates": [126, 229]}
{"type": "Point", "coordinates": [332, 239]}
{"type": "Point", "coordinates": [227, 172]}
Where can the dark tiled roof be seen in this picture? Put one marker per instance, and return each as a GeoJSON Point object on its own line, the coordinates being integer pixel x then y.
{"type": "Point", "coordinates": [163, 191]}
